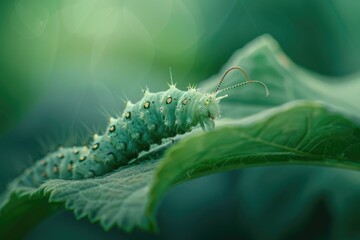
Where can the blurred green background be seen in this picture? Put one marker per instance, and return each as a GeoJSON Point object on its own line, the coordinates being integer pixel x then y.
{"type": "Point", "coordinates": [66, 65]}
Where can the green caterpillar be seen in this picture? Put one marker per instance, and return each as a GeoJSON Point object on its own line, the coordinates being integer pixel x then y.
{"type": "Point", "coordinates": [155, 117]}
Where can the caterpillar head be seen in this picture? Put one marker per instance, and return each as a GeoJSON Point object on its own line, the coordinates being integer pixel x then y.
{"type": "Point", "coordinates": [209, 110]}
{"type": "Point", "coordinates": [211, 107]}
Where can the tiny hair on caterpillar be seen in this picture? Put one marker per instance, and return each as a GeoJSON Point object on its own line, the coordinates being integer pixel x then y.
{"type": "Point", "coordinates": [155, 117]}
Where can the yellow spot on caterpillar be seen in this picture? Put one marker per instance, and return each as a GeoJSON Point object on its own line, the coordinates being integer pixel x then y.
{"type": "Point", "coordinates": [147, 104]}
{"type": "Point", "coordinates": [82, 158]}
{"type": "Point", "coordinates": [95, 146]}
{"type": "Point", "coordinates": [112, 128]}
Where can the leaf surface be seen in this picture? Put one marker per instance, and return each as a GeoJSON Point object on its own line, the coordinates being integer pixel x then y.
{"type": "Point", "coordinates": [303, 132]}
{"type": "Point", "coordinates": [296, 133]}
{"type": "Point", "coordinates": [264, 60]}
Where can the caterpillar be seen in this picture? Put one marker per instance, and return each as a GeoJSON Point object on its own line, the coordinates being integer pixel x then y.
{"type": "Point", "coordinates": [155, 117]}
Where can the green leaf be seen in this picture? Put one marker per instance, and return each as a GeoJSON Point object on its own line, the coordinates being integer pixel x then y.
{"type": "Point", "coordinates": [118, 198]}
{"type": "Point", "coordinates": [21, 209]}
{"type": "Point", "coordinates": [300, 133]}
{"type": "Point", "coordinates": [264, 60]}
{"type": "Point", "coordinates": [303, 132]}
{"type": "Point", "coordinates": [306, 133]}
